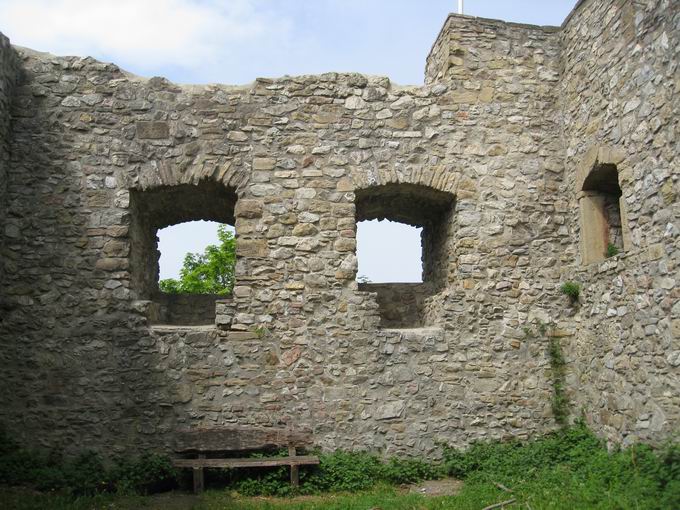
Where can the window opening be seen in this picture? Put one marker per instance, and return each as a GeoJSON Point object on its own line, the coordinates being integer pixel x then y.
{"type": "Point", "coordinates": [181, 208]}
{"type": "Point", "coordinates": [601, 222]}
{"type": "Point", "coordinates": [197, 257]}
{"type": "Point", "coordinates": [420, 219]}
{"type": "Point", "coordinates": [389, 251]}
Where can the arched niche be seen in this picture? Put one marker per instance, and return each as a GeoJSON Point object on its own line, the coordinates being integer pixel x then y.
{"type": "Point", "coordinates": [603, 226]}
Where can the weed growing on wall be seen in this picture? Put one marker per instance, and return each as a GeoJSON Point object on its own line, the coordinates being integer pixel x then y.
{"type": "Point", "coordinates": [261, 331]}
{"type": "Point", "coordinates": [559, 401]}
{"type": "Point", "coordinates": [612, 250]}
{"type": "Point", "coordinates": [572, 290]}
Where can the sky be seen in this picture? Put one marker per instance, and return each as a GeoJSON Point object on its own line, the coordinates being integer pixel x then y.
{"type": "Point", "coordinates": [236, 41]}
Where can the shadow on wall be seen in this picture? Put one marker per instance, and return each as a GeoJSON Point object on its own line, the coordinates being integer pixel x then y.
{"type": "Point", "coordinates": [81, 376]}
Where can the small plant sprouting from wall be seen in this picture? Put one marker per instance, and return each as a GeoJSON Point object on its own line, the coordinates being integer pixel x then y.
{"type": "Point", "coordinates": [560, 402]}
{"type": "Point", "coordinates": [261, 331]}
{"type": "Point", "coordinates": [558, 372]}
{"type": "Point", "coordinates": [572, 290]}
{"type": "Point", "coordinates": [612, 250]}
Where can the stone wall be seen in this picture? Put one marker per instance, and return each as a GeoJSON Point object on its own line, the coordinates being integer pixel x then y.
{"type": "Point", "coordinates": [482, 56]}
{"type": "Point", "coordinates": [184, 309]}
{"type": "Point", "coordinates": [619, 95]}
{"type": "Point", "coordinates": [400, 305]}
{"type": "Point", "coordinates": [9, 71]}
{"type": "Point", "coordinates": [476, 156]}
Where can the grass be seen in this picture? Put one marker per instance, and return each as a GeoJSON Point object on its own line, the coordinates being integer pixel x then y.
{"type": "Point", "coordinates": [21, 498]}
{"type": "Point", "coordinates": [380, 497]}
{"type": "Point", "coordinates": [558, 489]}
{"type": "Point", "coordinates": [568, 469]}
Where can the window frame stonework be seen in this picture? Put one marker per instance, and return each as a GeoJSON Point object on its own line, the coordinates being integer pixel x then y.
{"type": "Point", "coordinates": [160, 207]}
{"type": "Point", "coordinates": [403, 305]}
{"type": "Point", "coordinates": [600, 179]}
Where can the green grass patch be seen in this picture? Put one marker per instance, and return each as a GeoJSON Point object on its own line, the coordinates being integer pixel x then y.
{"type": "Point", "coordinates": [572, 469]}
{"type": "Point", "coordinates": [568, 469]}
{"type": "Point", "coordinates": [337, 472]}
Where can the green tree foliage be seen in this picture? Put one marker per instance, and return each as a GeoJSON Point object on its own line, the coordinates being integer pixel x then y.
{"type": "Point", "coordinates": [211, 272]}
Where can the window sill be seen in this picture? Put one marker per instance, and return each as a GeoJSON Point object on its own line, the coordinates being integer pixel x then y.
{"type": "Point", "coordinates": [172, 328]}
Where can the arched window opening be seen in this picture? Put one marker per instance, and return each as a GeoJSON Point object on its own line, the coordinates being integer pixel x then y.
{"type": "Point", "coordinates": [601, 219]}
{"type": "Point", "coordinates": [187, 220]}
{"type": "Point", "coordinates": [418, 226]}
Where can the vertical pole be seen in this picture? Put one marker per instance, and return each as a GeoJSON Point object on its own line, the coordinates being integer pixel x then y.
{"type": "Point", "coordinates": [294, 470]}
{"type": "Point", "coordinates": [460, 6]}
{"type": "Point", "coordinates": [198, 477]}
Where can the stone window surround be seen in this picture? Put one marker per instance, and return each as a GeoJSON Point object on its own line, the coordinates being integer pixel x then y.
{"type": "Point", "coordinates": [159, 207]}
{"type": "Point", "coordinates": [419, 206]}
{"type": "Point", "coordinates": [591, 221]}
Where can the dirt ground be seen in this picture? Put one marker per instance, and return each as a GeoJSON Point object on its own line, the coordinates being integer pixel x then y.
{"type": "Point", "coordinates": [184, 501]}
{"type": "Point", "coordinates": [445, 487]}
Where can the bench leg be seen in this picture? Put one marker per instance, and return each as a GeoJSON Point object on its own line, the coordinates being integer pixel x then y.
{"type": "Point", "coordinates": [294, 470]}
{"type": "Point", "coordinates": [294, 476]}
{"type": "Point", "coordinates": [199, 481]}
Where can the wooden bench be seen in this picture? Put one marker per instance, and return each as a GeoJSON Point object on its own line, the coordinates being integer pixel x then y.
{"type": "Point", "coordinates": [208, 446]}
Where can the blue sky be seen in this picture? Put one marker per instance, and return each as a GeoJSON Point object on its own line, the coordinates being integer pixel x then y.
{"type": "Point", "coordinates": [236, 41]}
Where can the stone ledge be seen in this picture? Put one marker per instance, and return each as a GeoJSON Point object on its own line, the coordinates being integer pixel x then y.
{"type": "Point", "coordinates": [414, 332]}
{"type": "Point", "coordinates": [171, 328]}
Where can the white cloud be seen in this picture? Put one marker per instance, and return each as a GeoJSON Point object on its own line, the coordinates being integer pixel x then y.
{"type": "Point", "coordinates": [143, 33]}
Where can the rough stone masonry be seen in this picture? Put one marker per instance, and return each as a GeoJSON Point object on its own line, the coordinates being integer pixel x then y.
{"type": "Point", "coordinates": [528, 154]}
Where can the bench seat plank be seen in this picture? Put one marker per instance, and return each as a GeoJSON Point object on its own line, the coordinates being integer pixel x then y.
{"type": "Point", "coordinates": [234, 463]}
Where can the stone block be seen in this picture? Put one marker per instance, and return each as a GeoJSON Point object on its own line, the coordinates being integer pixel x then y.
{"type": "Point", "coordinates": [112, 264]}
{"type": "Point", "coordinates": [305, 229]}
{"type": "Point", "coordinates": [485, 95]}
{"type": "Point", "coordinates": [593, 240]}
{"type": "Point", "coordinates": [391, 410]}
{"type": "Point", "coordinates": [656, 251]}
{"type": "Point", "coordinates": [237, 136]}
{"type": "Point", "coordinates": [354, 103]}
{"type": "Point", "coordinates": [264, 163]}
{"type": "Point", "coordinates": [154, 130]}
{"type": "Point", "coordinates": [254, 248]}
{"type": "Point", "coordinates": [248, 208]}
{"type": "Point", "coordinates": [345, 245]}
{"type": "Point", "coordinates": [239, 336]}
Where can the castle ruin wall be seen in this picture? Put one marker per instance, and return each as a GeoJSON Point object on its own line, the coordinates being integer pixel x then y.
{"type": "Point", "coordinates": [484, 156]}
{"type": "Point", "coordinates": [619, 93]}
{"type": "Point", "coordinates": [9, 72]}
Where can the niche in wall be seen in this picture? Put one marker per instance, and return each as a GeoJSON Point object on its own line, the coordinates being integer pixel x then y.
{"type": "Point", "coordinates": [156, 209]}
{"type": "Point", "coordinates": [402, 305]}
{"type": "Point", "coordinates": [601, 209]}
